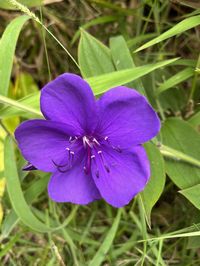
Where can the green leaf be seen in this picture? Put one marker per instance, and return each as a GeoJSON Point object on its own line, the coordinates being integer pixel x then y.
{"type": "Point", "coordinates": [179, 135]}
{"type": "Point", "coordinates": [155, 186]}
{"type": "Point", "coordinates": [22, 105]}
{"type": "Point", "coordinates": [124, 60]}
{"type": "Point", "coordinates": [176, 79]}
{"type": "Point", "coordinates": [16, 196]}
{"type": "Point", "coordinates": [104, 82]}
{"type": "Point", "coordinates": [140, 38]}
{"type": "Point", "coordinates": [93, 56]}
{"type": "Point", "coordinates": [195, 121]}
{"type": "Point", "coordinates": [193, 195]}
{"type": "Point", "coordinates": [7, 49]}
{"type": "Point", "coordinates": [105, 246]}
{"type": "Point", "coordinates": [30, 195]}
{"type": "Point", "coordinates": [179, 28]}
{"type": "Point", "coordinates": [29, 3]}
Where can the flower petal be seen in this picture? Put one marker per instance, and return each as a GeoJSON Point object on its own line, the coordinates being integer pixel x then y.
{"type": "Point", "coordinates": [69, 99]}
{"type": "Point", "coordinates": [42, 142]}
{"type": "Point", "coordinates": [73, 186]}
{"type": "Point", "coordinates": [120, 176]}
{"type": "Point", "coordinates": [126, 118]}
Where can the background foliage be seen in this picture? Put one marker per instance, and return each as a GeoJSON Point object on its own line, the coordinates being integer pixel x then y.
{"type": "Point", "coordinates": [152, 46]}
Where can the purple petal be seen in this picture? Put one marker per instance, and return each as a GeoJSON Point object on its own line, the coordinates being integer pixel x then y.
{"type": "Point", "coordinates": [126, 118]}
{"type": "Point", "coordinates": [42, 141]}
{"type": "Point", "coordinates": [120, 176]}
{"type": "Point", "coordinates": [73, 186]}
{"type": "Point", "coordinates": [69, 99]}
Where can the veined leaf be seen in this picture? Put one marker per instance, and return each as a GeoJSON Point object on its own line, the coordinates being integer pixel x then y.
{"type": "Point", "coordinates": [124, 60]}
{"type": "Point", "coordinates": [179, 135]}
{"type": "Point", "coordinates": [93, 56]}
{"type": "Point", "coordinates": [195, 121]}
{"type": "Point", "coordinates": [192, 194]}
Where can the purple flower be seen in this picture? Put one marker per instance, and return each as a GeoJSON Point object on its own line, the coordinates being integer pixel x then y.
{"type": "Point", "coordinates": [92, 147]}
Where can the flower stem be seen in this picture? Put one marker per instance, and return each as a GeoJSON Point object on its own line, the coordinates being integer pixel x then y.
{"type": "Point", "coordinates": [178, 155]}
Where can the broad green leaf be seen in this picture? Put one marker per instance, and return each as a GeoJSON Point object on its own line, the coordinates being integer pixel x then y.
{"type": "Point", "coordinates": [19, 105]}
{"type": "Point", "coordinates": [193, 195]}
{"type": "Point", "coordinates": [104, 82]}
{"type": "Point", "coordinates": [124, 60]}
{"type": "Point", "coordinates": [176, 79]}
{"type": "Point", "coordinates": [179, 28]}
{"type": "Point", "coordinates": [156, 184]}
{"type": "Point", "coordinates": [179, 135]}
{"type": "Point", "coordinates": [105, 246]}
{"type": "Point", "coordinates": [15, 193]}
{"type": "Point", "coordinates": [7, 49]}
{"type": "Point", "coordinates": [93, 56]}
{"type": "Point", "coordinates": [174, 99]}
{"type": "Point", "coordinates": [195, 121]}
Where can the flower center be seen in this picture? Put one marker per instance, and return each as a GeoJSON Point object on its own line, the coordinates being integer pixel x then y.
{"type": "Point", "coordinates": [90, 141]}
{"type": "Point", "coordinates": [93, 150]}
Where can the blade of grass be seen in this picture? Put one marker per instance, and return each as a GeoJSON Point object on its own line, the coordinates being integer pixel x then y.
{"type": "Point", "coordinates": [19, 105]}
{"type": "Point", "coordinates": [176, 79]}
{"type": "Point", "coordinates": [15, 192]}
{"type": "Point", "coordinates": [104, 82]}
{"type": "Point", "coordinates": [7, 49]}
{"type": "Point", "coordinates": [179, 28]}
{"type": "Point", "coordinates": [105, 246]}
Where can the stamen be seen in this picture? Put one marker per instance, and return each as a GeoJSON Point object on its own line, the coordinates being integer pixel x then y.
{"type": "Point", "coordinates": [86, 142]}
{"type": "Point", "coordinates": [117, 149]}
{"type": "Point", "coordinates": [73, 139]}
{"type": "Point", "coordinates": [85, 169]}
{"type": "Point", "coordinates": [114, 147]}
{"type": "Point", "coordinates": [68, 164]}
{"type": "Point", "coordinates": [97, 173]}
{"type": "Point", "coordinates": [59, 167]}
{"type": "Point", "coordinates": [103, 160]}
{"type": "Point", "coordinates": [72, 156]}
{"type": "Point", "coordinates": [95, 141]}
{"type": "Point", "coordinates": [107, 168]}
{"type": "Point", "coordinates": [94, 160]}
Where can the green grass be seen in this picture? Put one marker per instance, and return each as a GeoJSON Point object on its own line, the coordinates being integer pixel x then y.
{"type": "Point", "coordinates": [99, 234]}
